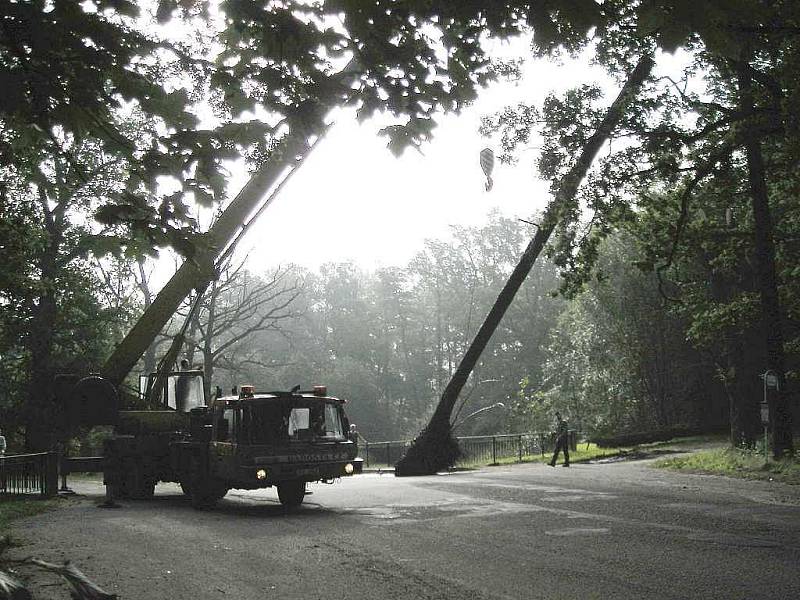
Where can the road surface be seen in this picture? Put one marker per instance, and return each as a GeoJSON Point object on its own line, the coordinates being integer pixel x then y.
{"type": "Point", "coordinates": [621, 530]}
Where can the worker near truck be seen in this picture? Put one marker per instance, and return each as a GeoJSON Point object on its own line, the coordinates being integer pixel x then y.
{"type": "Point", "coordinates": [182, 388]}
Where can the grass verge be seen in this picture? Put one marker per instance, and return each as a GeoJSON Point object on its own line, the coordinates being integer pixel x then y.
{"type": "Point", "coordinates": [735, 463]}
{"type": "Point", "coordinates": [17, 507]}
{"type": "Point", "coordinates": [583, 453]}
{"type": "Point", "coordinates": [589, 451]}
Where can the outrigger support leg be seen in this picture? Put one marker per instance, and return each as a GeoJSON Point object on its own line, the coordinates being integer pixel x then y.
{"type": "Point", "coordinates": [109, 501]}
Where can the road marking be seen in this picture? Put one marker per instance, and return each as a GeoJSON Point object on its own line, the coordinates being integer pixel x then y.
{"type": "Point", "coordinates": [567, 494]}
{"type": "Point", "coordinates": [727, 539]}
{"type": "Point", "coordinates": [578, 531]}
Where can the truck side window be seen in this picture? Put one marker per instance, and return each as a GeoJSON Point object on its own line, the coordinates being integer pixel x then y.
{"type": "Point", "coordinates": [299, 421]}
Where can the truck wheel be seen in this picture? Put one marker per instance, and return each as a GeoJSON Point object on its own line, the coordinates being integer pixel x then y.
{"type": "Point", "coordinates": [207, 494]}
{"type": "Point", "coordinates": [203, 491]}
{"type": "Point", "coordinates": [136, 483]}
{"type": "Point", "coordinates": [143, 490]}
{"type": "Point", "coordinates": [122, 489]}
{"type": "Point", "coordinates": [291, 493]}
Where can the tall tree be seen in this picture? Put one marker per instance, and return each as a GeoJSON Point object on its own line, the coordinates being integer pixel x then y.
{"type": "Point", "coordinates": [56, 289]}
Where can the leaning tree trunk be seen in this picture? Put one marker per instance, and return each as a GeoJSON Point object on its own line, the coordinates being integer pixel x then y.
{"type": "Point", "coordinates": [435, 448]}
{"type": "Point", "coordinates": [780, 409]}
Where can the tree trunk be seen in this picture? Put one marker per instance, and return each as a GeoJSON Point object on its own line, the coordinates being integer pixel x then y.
{"type": "Point", "coordinates": [39, 407]}
{"type": "Point", "coordinates": [780, 410]}
{"type": "Point", "coordinates": [40, 415]}
{"type": "Point", "coordinates": [435, 448]}
{"type": "Point", "coordinates": [741, 406]}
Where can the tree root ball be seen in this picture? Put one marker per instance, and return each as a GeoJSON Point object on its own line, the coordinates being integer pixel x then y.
{"type": "Point", "coordinates": [435, 449]}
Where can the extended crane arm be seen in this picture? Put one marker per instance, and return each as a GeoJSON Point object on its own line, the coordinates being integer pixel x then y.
{"type": "Point", "coordinates": [198, 271]}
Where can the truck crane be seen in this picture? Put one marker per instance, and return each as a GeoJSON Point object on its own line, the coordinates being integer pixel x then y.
{"type": "Point", "coordinates": [245, 440]}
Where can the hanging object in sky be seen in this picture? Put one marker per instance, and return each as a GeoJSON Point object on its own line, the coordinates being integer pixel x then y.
{"type": "Point", "coordinates": [487, 164]}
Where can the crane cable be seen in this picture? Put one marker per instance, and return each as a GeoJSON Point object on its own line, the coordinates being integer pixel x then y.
{"type": "Point", "coordinates": [268, 200]}
{"type": "Point", "coordinates": [349, 67]}
{"type": "Point", "coordinates": [171, 356]}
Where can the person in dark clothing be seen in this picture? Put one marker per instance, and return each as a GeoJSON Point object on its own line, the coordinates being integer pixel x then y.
{"type": "Point", "coordinates": [562, 441]}
{"type": "Point", "coordinates": [182, 388]}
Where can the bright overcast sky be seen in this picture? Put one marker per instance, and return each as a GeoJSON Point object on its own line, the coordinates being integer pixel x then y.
{"type": "Point", "coordinates": [353, 200]}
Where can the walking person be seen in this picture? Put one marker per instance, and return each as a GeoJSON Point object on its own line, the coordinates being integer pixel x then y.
{"type": "Point", "coordinates": [562, 441]}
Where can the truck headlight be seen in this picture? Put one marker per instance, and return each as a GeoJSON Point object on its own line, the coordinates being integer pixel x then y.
{"type": "Point", "coordinates": [348, 468]}
{"type": "Point", "coordinates": [261, 474]}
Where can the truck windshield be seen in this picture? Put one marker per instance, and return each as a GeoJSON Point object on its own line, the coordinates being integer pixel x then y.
{"type": "Point", "coordinates": [185, 391]}
{"type": "Point", "coordinates": [277, 421]}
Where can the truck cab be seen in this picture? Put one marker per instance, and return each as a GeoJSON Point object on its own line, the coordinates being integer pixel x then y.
{"type": "Point", "coordinates": [246, 440]}
{"type": "Point", "coordinates": [259, 440]}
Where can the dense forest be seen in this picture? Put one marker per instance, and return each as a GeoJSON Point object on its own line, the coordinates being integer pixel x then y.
{"type": "Point", "coordinates": [668, 287]}
{"type": "Point", "coordinates": [617, 357]}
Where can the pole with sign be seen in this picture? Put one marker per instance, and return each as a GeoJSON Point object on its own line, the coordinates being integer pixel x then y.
{"type": "Point", "coordinates": [771, 382]}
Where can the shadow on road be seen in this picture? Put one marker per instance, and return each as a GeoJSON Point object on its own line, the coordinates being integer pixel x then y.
{"type": "Point", "coordinates": [234, 504]}
{"type": "Point", "coordinates": [631, 455]}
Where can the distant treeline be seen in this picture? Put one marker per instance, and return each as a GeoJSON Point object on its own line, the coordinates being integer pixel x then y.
{"type": "Point", "coordinates": [617, 356]}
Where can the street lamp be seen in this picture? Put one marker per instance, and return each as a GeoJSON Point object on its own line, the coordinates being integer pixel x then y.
{"type": "Point", "coordinates": [477, 412]}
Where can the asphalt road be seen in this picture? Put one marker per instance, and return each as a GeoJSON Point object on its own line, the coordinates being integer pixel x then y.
{"type": "Point", "coordinates": [620, 530]}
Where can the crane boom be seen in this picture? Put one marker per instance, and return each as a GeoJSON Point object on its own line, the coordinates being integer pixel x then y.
{"type": "Point", "coordinates": [198, 270]}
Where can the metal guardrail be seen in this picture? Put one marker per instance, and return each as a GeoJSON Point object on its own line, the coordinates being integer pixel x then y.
{"type": "Point", "coordinates": [482, 449]}
{"type": "Point", "coordinates": [81, 464]}
{"type": "Point", "coordinates": [29, 474]}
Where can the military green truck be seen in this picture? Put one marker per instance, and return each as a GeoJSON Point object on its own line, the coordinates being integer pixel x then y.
{"type": "Point", "coordinates": [246, 440]}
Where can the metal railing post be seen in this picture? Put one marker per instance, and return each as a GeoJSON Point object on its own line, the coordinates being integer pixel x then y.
{"type": "Point", "coordinates": [520, 448]}
{"type": "Point", "coordinates": [63, 469]}
{"type": "Point", "coordinates": [494, 450]}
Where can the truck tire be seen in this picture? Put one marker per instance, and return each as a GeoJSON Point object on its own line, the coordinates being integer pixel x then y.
{"type": "Point", "coordinates": [143, 490]}
{"type": "Point", "coordinates": [203, 491]}
{"type": "Point", "coordinates": [291, 493]}
{"type": "Point", "coordinates": [207, 494]}
{"type": "Point", "coordinates": [122, 490]}
{"type": "Point", "coordinates": [137, 484]}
